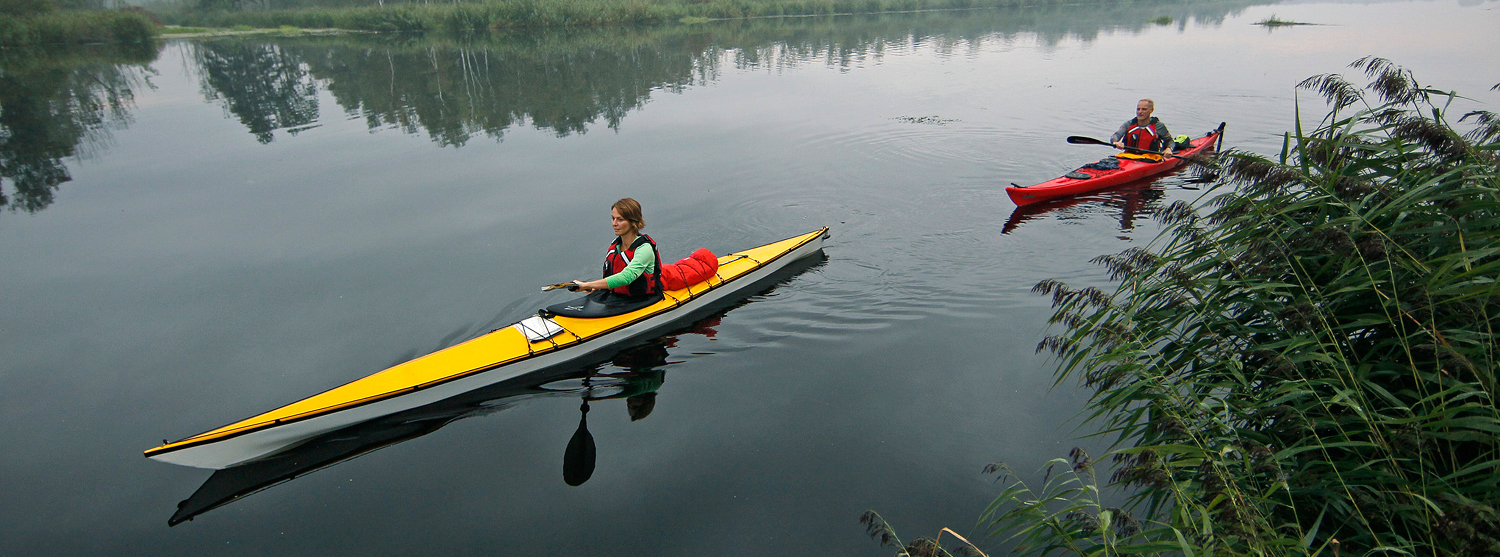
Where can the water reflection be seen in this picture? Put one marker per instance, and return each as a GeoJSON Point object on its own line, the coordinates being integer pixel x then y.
{"type": "Point", "coordinates": [1134, 200]}
{"type": "Point", "coordinates": [262, 84]}
{"type": "Point", "coordinates": [58, 104]}
{"type": "Point", "coordinates": [643, 374]}
{"type": "Point", "coordinates": [629, 380]}
{"type": "Point", "coordinates": [567, 80]}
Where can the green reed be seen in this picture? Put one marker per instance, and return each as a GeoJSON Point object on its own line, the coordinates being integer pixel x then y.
{"type": "Point", "coordinates": [1305, 364]}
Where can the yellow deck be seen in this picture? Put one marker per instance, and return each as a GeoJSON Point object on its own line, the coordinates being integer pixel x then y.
{"type": "Point", "coordinates": [486, 352]}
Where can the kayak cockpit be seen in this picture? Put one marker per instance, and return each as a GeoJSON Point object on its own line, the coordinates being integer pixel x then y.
{"type": "Point", "coordinates": [601, 303]}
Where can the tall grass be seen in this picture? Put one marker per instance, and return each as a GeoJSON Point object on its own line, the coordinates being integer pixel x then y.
{"type": "Point", "coordinates": [77, 27]}
{"type": "Point", "coordinates": [1307, 364]}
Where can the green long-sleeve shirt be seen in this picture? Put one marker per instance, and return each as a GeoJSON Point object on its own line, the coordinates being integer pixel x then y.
{"type": "Point", "coordinates": [643, 260]}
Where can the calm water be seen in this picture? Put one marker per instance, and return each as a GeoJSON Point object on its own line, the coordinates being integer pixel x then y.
{"type": "Point", "coordinates": [219, 228]}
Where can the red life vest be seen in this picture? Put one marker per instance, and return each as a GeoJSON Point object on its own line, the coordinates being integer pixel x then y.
{"type": "Point", "coordinates": [1142, 137]}
{"type": "Point", "coordinates": [616, 259]}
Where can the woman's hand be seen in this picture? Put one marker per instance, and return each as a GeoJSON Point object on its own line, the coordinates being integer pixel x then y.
{"type": "Point", "coordinates": [592, 285]}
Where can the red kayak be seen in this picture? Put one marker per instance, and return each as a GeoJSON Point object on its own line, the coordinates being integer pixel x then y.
{"type": "Point", "coordinates": [1087, 179]}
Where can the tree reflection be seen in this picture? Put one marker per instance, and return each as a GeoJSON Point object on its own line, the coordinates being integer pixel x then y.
{"type": "Point", "coordinates": [454, 92]}
{"type": "Point", "coordinates": [59, 105]}
{"type": "Point", "coordinates": [264, 86]}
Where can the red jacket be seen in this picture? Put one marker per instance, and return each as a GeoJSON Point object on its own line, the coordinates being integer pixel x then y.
{"type": "Point", "coordinates": [616, 259]}
{"type": "Point", "coordinates": [1152, 137]}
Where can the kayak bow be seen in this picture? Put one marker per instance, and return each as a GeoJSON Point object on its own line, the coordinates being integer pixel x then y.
{"type": "Point", "coordinates": [1091, 179]}
{"type": "Point", "coordinates": [535, 343]}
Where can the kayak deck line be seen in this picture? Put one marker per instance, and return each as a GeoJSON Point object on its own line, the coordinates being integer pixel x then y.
{"type": "Point", "coordinates": [425, 372]}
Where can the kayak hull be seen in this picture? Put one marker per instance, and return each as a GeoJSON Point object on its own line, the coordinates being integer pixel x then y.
{"type": "Point", "coordinates": [1129, 171]}
{"type": "Point", "coordinates": [452, 371]}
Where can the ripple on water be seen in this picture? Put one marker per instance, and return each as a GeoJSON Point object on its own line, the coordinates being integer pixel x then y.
{"type": "Point", "coordinates": [923, 139]}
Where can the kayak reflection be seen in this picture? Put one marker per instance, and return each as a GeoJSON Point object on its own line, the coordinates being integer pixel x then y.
{"type": "Point", "coordinates": [633, 375]}
{"type": "Point", "coordinates": [1134, 200]}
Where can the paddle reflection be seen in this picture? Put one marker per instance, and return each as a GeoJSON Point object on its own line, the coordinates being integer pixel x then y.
{"type": "Point", "coordinates": [632, 377]}
{"type": "Point", "coordinates": [637, 385]}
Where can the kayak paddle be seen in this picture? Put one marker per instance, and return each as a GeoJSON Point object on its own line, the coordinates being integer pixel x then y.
{"type": "Point", "coordinates": [572, 287]}
{"type": "Point", "coordinates": [1081, 140]}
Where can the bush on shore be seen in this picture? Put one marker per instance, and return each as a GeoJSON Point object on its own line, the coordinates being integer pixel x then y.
{"type": "Point", "coordinates": [1309, 368]}
{"type": "Point", "coordinates": [77, 27]}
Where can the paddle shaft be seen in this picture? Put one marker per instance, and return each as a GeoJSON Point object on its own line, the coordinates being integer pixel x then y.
{"type": "Point", "coordinates": [1081, 140]}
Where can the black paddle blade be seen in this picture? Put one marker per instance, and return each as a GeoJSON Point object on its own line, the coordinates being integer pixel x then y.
{"type": "Point", "coordinates": [1081, 140]}
{"type": "Point", "coordinates": [578, 458]}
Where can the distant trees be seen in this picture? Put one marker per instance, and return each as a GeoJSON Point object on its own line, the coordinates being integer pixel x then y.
{"type": "Point", "coordinates": [26, 7]}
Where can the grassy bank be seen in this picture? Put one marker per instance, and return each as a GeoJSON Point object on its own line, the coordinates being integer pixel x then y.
{"type": "Point", "coordinates": [506, 14]}
{"type": "Point", "coordinates": [76, 27]}
{"type": "Point", "coordinates": [1305, 365]}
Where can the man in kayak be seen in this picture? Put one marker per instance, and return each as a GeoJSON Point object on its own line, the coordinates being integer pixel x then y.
{"type": "Point", "coordinates": [631, 265]}
{"type": "Point", "coordinates": [1144, 131]}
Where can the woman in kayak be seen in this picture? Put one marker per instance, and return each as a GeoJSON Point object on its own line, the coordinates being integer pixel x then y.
{"type": "Point", "coordinates": [632, 264]}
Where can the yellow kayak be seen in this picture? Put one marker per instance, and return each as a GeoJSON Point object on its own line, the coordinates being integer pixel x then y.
{"type": "Point", "coordinates": [533, 344]}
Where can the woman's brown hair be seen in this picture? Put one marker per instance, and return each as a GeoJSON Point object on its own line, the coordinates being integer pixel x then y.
{"type": "Point", "coordinates": [630, 210]}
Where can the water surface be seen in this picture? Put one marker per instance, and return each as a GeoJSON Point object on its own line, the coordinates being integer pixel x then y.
{"type": "Point", "coordinates": [219, 228]}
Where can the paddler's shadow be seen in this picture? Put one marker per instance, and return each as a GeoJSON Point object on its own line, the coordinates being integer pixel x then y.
{"type": "Point", "coordinates": [643, 374]}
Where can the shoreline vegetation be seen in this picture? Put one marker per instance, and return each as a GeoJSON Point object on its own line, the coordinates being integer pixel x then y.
{"type": "Point", "coordinates": [54, 27]}
{"type": "Point", "coordinates": [179, 32]}
{"type": "Point", "coordinates": [496, 15]}
{"type": "Point", "coordinates": [1303, 363]}
{"type": "Point", "coordinates": [40, 22]}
